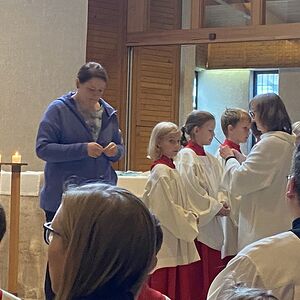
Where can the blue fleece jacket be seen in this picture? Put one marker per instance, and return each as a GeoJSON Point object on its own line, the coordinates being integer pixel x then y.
{"type": "Point", "coordinates": [62, 142]}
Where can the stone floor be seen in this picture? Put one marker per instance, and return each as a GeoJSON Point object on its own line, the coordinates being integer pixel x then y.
{"type": "Point", "coordinates": [32, 249]}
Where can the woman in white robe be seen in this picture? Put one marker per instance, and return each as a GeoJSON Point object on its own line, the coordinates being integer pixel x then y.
{"type": "Point", "coordinates": [261, 178]}
{"type": "Point", "coordinates": [271, 263]}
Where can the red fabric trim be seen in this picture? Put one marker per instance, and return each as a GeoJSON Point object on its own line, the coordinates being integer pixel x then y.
{"type": "Point", "coordinates": [165, 161]}
{"type": "Point", "coordinates": [199, 150]}
{"type": "Point", "coordinates": [1, 294]}
{"type": "Point", "coordinates": [148, 293]}
{"type": "Point", "coordinates": [232, 145]}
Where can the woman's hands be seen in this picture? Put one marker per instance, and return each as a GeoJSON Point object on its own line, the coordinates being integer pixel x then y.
{"type": "Point", "coordinates": [227, 152]}
{"type": "Point", "coordinates": [111, 149]}
{"type": "Point", "coordinates": [95, 150]}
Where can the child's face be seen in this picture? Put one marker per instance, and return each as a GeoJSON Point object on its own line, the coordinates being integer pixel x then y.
{"type": "Point", "coordinates": [203, 135]}
{"type": "Point", "coordinates": [240, 132]}
{"type": "Point", "coordinates": [170, 144]}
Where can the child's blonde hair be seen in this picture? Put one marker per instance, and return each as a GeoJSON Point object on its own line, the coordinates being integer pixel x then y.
{"type": "Point", "coordinates": [231, 116]}
{"type": "Point", "coordinates": [159, 131]}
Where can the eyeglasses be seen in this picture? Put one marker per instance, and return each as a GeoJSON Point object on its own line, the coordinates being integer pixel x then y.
{"type": "Point", "coordinates": [48, 233]}
{"type": "Point", "coordinates": [252, 114]}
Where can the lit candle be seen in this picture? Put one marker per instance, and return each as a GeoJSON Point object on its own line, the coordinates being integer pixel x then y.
{"type": "Point", "coordinates": [16, 158]}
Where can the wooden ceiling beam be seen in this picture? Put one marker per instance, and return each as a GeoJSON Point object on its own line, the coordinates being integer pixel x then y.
{"type": "Point", "coordinates": [215, 35]}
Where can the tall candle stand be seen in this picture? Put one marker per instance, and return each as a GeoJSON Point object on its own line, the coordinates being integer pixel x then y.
{"type": "Point", "coordinates": [13, 261]}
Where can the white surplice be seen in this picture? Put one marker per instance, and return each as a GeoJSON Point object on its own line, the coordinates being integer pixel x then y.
{"type": "Point", "coordinates": [165, 195]}
{"type": "Point", "coordinates": [272, 263]}
{"type": "Point", "coordinates": [202, 176]}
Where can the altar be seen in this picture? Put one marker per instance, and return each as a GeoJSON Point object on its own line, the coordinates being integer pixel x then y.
{"type": "Point", "coordinates": [32, 249]}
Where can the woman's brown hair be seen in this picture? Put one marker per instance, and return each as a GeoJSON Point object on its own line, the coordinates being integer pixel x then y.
{"type": "Point", "coordinates": [109, 236]}
{"type": "Point", "coordinates": [271, 112]}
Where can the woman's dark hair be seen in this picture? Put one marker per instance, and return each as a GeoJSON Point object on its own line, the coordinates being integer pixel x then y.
{"type": "Point", "coordinates": [196, 118]}
{"type": "Point", "coordinates": [2, 222]}
{"type": "Point", "coordinates": [296, 170]}
{"type": "Point", "coordinates": [271, 112]}
{"type": "Point", "coordinates": [91, 70]}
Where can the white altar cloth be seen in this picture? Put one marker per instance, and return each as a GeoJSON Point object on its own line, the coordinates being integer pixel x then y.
{"type": "Point", "coordinates": [31, 183]}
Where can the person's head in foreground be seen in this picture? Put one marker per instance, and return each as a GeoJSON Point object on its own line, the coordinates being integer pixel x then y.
{"type": "Point", "coordinates": [102, 244]}
{"type": "Point", "coordinates": [296, 131]}
{"type": "Point", "coordinates": [2, 222]}
{"type": "Point", "coordinates": [269, 113]}
{"type": "Point", "coordinates": [293, 186]}
{"type": "Point", "coordinates": [240, 291]}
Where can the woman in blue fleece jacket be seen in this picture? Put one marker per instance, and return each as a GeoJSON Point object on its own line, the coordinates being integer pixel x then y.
{"type": "Point", "coordinates": [79, 136]}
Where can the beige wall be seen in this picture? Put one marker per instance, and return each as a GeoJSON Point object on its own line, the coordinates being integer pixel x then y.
{"type": "Point", "coordinates": [289, 82]}
{"type": "Point", "coordinates": [42, 45]}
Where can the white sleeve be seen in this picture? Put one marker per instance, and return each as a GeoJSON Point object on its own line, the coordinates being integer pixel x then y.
{"type": "Point", "coordinates": [239, 269]}
{"type": "Point", "coordinates": [255, 173]}
{"type": "Point", "coordinates": [160, 200]}
{"type": "Point", "coordinates": [203, 204]}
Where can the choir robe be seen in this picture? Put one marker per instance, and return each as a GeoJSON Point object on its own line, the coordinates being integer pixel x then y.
{"type": "Point", "coordinates": [202, 175]}
{"type": "Point", "coordinates": [271, 263]}
{"type": "Point", "coordinates": [261, 183]}
{"type": "Point", "coordinates": [176, 273]}
{"type": "Point", "coordinates": [230, 224]}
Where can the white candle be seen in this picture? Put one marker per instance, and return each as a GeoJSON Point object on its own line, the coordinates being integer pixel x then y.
{"type": "Point", "coordinates": [16, 158]}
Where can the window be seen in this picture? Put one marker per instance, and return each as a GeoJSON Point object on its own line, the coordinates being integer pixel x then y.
{"type": "Point", "coordinates": [195, 91]}
{"type": "Point", "coordinates": [265, 82]}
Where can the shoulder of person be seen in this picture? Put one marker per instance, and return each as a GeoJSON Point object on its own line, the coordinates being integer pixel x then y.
{"type": "Point", "coordinates": [162, 170]}
{"type": "Point", "coordinates": [186, 153]}
{"type": "Point", "coordinates": [263, 246]}
{"type": "Point", "coordinates": [60, 102]}
{"type": "Point", "coordinates": [7, 296]}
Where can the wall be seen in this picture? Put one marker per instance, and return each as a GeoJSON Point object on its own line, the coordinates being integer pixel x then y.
{"type": "Point", "coordinates": [42, 46]}
{"type": "Point", "coordinates": [155, 83]}
{"type": "Point", "coordinates": [218, 89]}
{"type": "Point", "coordinates": [106, 34]}
{"type": "Point", "coordinates": [289, 82]}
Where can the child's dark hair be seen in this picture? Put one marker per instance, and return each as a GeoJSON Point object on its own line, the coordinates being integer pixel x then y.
{"type": "Point", "coordinates": [196, 118]}
{"type": "Point", "coordinates": [231, 116]}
